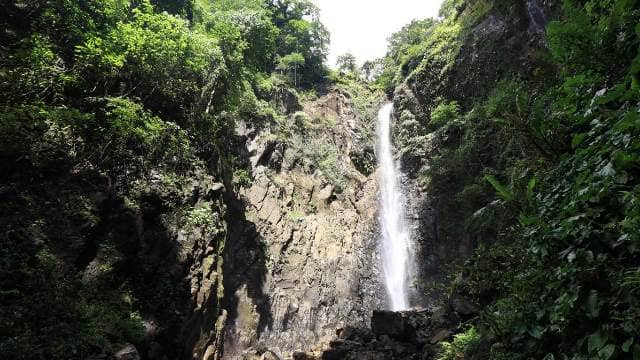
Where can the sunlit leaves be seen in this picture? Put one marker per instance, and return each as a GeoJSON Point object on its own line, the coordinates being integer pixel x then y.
{"type": "Point", "coordinates": [154, 56]}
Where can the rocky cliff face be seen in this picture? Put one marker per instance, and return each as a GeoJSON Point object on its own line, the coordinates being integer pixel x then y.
{"type": "Point", "coordinates": [205, 268]}
{"type": "Point", "coordinates": [158, 248]}
{"type": "Point", "coordinates": [179, 235]}
{"type": "Point", "coordinates": [301, 258]}
{"type": "Point", "coordinates": [499, 40]}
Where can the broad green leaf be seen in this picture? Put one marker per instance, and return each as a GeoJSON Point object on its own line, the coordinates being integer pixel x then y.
{"type": "Point", "coordinates": [578, 139]}
{"type": "Point", "coordinates": [502, 190]}
{"type": "Point", "coordinates": [596, 342]}
{"type": "Point", "coordinates": [606, 352]}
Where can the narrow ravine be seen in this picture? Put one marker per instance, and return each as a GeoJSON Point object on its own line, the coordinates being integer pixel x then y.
{"type": "Point", "coordinates": [394, 237]}
{"type": "Point", "coordinates": [218, 180]}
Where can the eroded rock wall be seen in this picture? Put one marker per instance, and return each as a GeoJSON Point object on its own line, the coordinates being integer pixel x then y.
{"type": "Point", "coordinates": [301, 258]}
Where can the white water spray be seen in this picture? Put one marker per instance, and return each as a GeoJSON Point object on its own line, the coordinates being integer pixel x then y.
{"type": "Point", "coordinates": [395, 234]}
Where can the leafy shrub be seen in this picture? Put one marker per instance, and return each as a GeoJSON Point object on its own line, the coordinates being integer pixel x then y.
{"type": "Point", "coordinates": [154, 56]}
{"type": "Point", "coordinates": [546, 173]}
{"type": "Point", "coordinates": [328, 159]}
{"type": "Point", "coordinates": [39, 72]}
{"type": "Point", "coordinates": [445, 112]}
{"type": "Point", "coordinates": [242, 178]}
{"type": "Point", "coordinates": [565, 295]}
{"type": "Point", "coordinates": [463, 344]}
{"type": "Point", "coordinates": [202, 218]}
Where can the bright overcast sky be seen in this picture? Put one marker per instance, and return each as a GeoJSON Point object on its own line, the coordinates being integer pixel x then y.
{"type": "Point", "coordinates": [363, 26]}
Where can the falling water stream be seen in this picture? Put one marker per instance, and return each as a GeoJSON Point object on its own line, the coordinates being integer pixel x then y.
{"type": "Point", "coordinates": [395, 239]}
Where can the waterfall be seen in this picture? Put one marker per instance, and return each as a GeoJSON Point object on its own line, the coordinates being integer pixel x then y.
{"type": "Point", "coordinates": [395, 239]}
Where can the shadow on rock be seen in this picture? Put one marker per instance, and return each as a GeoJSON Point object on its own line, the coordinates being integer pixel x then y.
{"type": "Point", "coordinates": [245, 272]}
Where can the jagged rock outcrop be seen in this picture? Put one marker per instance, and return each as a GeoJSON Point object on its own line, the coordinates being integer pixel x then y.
{"type": "Point", "coordinates": [301, 257]}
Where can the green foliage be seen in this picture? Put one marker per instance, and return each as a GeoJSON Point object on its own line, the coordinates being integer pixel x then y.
{"type": "Point", "coordinates": [347, 63]}
{"type": "Point", "coordinates": [405, 50]}
{"type": "Point", "coordinates": [39, 72]}
{"type": "Point", "coordinates": [291, 63]}
{"type": "Point", "coordinates": [411, 135]}
{"type": "Point", "coordinates": [109, 109]}
{"type": "Point", "coordinates": [202, 219]}
{"type": "Point", "coordinates": [502, 190]}
{"type": "Point", "coordinates": [445, 112]}
{"type": "Point", "coordinates": [292, 60]}
{"type": "Point", "coordinates": [409, 36]}
{"type": "Point", "coordinates": [366, 98]}
{"type": "Point", "coordinates": [422, 45]}
{"type": "Point", "coordinates": [438, 50]}
{"type": "Point", "coordinates": [242, 178]}
{"type": "Point", "coordinates": [311, 137]}
{"type": "Point", "coordinates": [543, 172]}
{"type": "Point", "coordinates": [328, 160]}
{"type": "Point", "coordinates": [576, 228]}
{"type": "Point", "coordinates": [558, 276]}
{"type": "Point", "coordinates": [450, 8]}
{"type": "Point", "coordinates": [463, 345]}
{"type": "Point", "coordinates": [301, 32]}
{"type": "Point", "coordinates": [245, 31]}
{"type": "Point", "coordinates": [155, 57]}
{"type": "Point", "coordinates": [594, 37]}
{"type": "Point", "coordinates": [183, 8]}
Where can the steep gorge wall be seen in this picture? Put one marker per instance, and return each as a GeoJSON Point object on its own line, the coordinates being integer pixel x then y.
{"type": "Point", "coordinates": [499, 40]}
{"type": "Point", "coordinates": [152, 252]}
{"type": "Point", "coordinates": [301, 259]}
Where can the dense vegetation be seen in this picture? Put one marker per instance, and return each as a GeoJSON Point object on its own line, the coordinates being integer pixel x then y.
{"type": "Point", "coordinates": [110, 109]}
{"type": "Point", "coordinates": [556, 271]}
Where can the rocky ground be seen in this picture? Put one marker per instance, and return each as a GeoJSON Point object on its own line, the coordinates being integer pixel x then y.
{"type": "Point", "coordinates": [406, 335]}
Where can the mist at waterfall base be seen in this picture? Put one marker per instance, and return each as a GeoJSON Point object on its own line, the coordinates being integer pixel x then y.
{"type": "Point", "coordinates": [395, 238]}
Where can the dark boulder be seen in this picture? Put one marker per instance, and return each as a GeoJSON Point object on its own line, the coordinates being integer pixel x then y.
{"type": "Point", "coordinates": [128, 352]}
{"type": "Point", "coordinates": [390, 323]}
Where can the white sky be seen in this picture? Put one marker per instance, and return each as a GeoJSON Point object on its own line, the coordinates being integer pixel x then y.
{"type": "Point", "coordinates": [363, 26]}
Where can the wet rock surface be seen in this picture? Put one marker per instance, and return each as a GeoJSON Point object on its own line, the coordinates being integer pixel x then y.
{"type": "Point", "coordinates": [414, 334]}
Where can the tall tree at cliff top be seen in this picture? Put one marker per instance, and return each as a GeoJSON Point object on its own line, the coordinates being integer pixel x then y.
{"type": "Point", "coordinates": [302, 32]}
